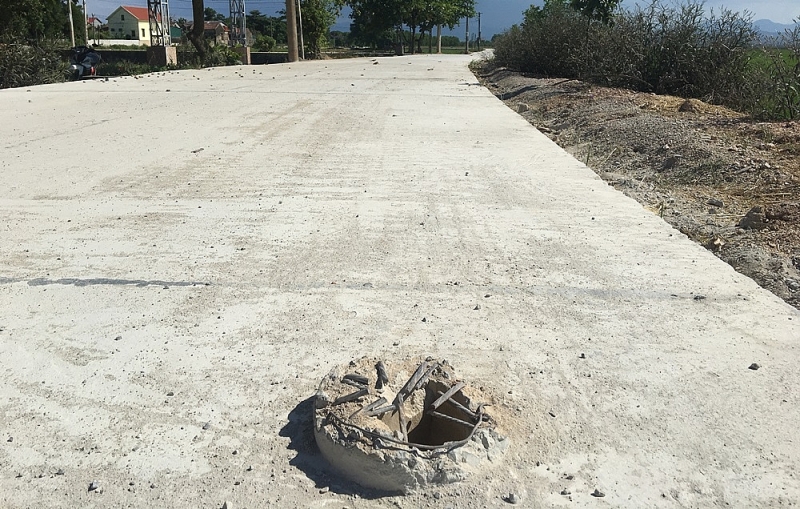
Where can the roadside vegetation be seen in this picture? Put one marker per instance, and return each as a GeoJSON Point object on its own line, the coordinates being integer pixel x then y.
{"type": "Point", "coordinates": [663, 48]}
{"type": "Point", "coordinates": [35, 35]}
{"type": "Point", "coordinates": [32, 33]}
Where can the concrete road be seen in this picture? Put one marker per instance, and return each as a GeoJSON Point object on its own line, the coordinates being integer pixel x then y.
{"type": "Point", "coordinates": [185, 255]}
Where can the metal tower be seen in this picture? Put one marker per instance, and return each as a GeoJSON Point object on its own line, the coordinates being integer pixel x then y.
{"type": "Point", "coordinates": [238, 33]}
{"type": "Point", "coordinates": [158, 12]}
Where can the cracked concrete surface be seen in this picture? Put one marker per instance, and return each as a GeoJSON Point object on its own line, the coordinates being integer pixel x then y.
{"type": "Point", "coordinates": [167, 311]}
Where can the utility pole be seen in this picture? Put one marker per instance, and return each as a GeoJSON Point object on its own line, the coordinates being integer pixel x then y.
{"type": "Point", "coordinates": [71, 24]}
{"type": "Point", "coordinates": [85, 24]}
{"type": "Point", "coordinates": [479, 31]}
{"type": "Point", "coordinates": [438, 39]}
{"type": "Point", "coordinates": [466, 39]}
{"type": "Point", "coordinates": [302, 44]}
{"type": "Point", "coordinates": [291, 31]}
{"type": "Point", "coordinates": [238, 30]}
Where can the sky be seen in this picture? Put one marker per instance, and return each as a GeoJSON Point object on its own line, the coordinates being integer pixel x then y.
{"type": "Point", "coordinates": [496, 15]}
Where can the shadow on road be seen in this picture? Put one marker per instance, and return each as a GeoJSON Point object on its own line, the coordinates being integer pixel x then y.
{"type": "Point", "coordinates": [300, 432]}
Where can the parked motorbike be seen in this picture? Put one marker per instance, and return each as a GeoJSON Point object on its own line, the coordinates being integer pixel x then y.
{"type": "Point", "coordinates": [84, 61]}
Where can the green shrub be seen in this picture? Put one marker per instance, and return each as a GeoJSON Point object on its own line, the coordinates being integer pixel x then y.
{"type": "Point", "coordinates": [663, 48]}
{"type": "Point", "coordinates": [263, 43]}
{"type": "Point", "coordinates": [24, 65]}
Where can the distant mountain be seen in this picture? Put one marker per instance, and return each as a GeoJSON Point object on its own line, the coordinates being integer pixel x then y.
{"type": "Point", "coordinates": [769, 28]}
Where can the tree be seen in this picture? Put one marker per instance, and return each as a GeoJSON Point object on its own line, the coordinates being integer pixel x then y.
{"type": "Point", "coordinates": [36, 20]}
{"type": "Point", "coordinates": [374, 17]}
{"type": "Point", "coordinates": [318, 18]}
{"type": "Point", "coordinates": [197, 35]}
{"type": "Point", "coordinates": [374, 21]}
{"type": "Point", "coordinates": [339, 38]}
{"type": "Point", "coordinates": [271, 26]}
{"type": "Point", "coordinates": [446, 13]}
{"type": "Point", "coordinates": [263, 43]}
{"type": "Point", "coordinates": [600, 10]}
{"type": "Point", "coordinates": [209, 14]}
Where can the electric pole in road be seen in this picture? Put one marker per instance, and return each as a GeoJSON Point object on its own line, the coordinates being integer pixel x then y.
{"type": "Point", "coordinates": [291, 30]}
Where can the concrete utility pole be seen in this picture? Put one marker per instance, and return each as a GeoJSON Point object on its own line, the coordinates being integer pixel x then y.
{"type": "Point", "coordinates": [291, 31]}
{"type": "Point", "coordinates": [300, 19]}
{"type": "Point", "coordinates": [71, 24]}
{"type": "Point", "coordinates": [85, 24]}
{"type": "Point", "coordinates": [466, 39]}
{"type": "Point", "coordinates": [479, 31]}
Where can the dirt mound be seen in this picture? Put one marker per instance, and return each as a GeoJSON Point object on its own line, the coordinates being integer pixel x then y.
{"type": "Point", "coordinates": [726, 181]}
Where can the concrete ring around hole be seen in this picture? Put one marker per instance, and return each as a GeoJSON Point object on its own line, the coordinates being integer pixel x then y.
{"type": "Point", "coordinates": [395, 426]}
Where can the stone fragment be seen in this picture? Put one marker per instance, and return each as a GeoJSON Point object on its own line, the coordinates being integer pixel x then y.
{"type": "Point", "coordinates": [754, 219]}
{"type": "Point", "coordinates": [691, 106]}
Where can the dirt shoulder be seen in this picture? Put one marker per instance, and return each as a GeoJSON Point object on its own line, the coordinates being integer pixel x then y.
{"type": "Point", "coordinates": [730, 183]}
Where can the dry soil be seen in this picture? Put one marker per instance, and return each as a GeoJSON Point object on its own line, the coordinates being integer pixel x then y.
{"type": "Point", "coordinates": [700, 167]}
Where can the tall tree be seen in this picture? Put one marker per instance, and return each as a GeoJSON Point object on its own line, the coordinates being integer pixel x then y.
{"type": "Point", "coordinates": [445, 13]}
{"type": "Point", "coordinates": [35, 20]}
{"type": "Point", "coordinates": [318, 18]}
{"type": "Point", "coordinates": [374, 17]}
{"type": "Point", "coordinates": [272, 26]}
{"type": "Point", "coordinates": [374, 21]}
{"type": "Point", "coordinates": [197, 35]}
{"type": "Point", "coordinates": [600, 10]}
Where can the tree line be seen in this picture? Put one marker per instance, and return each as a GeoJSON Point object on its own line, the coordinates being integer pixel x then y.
{"type": "Point", "coordinates": [31, 31]}
{"type": "Point", "coordinates": [32, 21]}
{"type": "Point", "coordinates": [375, 23]}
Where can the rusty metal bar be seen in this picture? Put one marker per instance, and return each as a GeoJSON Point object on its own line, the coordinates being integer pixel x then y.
{"type": "Point", "coordinates": [377, 412]}
{"type": "Point", "coordinates": [447, 395]}
{"type": "Point", "coordinates": [351, 397]}
{"type": "Point", "coordinates": [371, 406]}
{"type": "Point", "coordinates": [450, 418]}
{"type": "Point", "coordinates": [461, 407]}
{"type": "Point", "coordinates": [359, 379]}
{"type": "Point", "coordinates": [412, 382]}
{"type": "Point", "coordinates": [383, 377]}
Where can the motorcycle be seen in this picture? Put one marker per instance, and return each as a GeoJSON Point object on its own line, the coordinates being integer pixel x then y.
{"type": "Point", "coordinates": [84, 61]}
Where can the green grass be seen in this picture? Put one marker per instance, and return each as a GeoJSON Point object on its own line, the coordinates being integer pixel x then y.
{"type": "Point", "coordinates": [764, 58]}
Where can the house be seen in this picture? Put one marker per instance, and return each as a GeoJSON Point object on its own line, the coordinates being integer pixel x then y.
{"type": "Point", "coordinates": [93, 22]}
{"type": "Point", "coordinates": [216, 32]}
{"type": "Point", "coordinates": [132, 23]}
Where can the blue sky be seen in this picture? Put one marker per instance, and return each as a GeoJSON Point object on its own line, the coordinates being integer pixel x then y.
{"type": "Point", "coordinates": [497, 15]}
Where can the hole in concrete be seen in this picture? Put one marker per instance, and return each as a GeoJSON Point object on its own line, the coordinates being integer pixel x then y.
{"type": "Point", "coordinates": [397, 426]}
{"type": "Point", "coordinates": [428, 429]}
